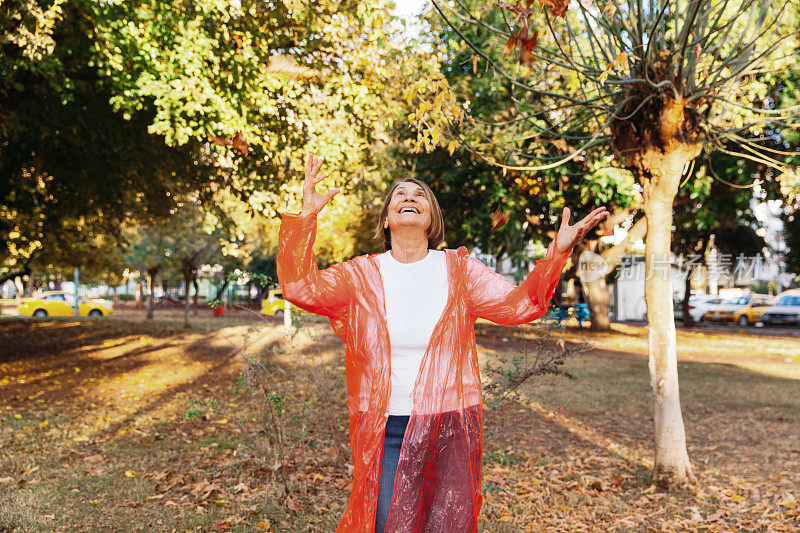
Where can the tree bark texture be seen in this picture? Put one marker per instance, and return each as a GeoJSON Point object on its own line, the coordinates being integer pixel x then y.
{"type": "Point", "coordinates": [187, 302]}
{"type": "Point", "coordinates": [664, 168]}
{"type": "Point", "coordinates": [688, 319]}
{"type": "Point", "coordinates": [597, 290]}
{"type": "Point", "coordinates": [196, 293]}
{"type": "Point", "coordinates": [152, 276]}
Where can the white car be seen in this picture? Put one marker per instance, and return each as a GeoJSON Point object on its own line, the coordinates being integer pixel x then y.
{"type": "Point", "coordinates": [699, 304]}
{"type": "Point", "coordinates": [786, 309]}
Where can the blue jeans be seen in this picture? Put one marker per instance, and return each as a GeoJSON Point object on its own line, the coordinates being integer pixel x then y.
{"type": "Point", "coordinates": [393, 439]}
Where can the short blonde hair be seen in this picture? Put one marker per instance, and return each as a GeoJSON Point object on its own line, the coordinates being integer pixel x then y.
{"type": "Point", "coordinates": [435, 230]}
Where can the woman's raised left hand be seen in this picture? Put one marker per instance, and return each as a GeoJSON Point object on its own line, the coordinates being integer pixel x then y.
{"type": "Point", "coordinates": [568, 236]}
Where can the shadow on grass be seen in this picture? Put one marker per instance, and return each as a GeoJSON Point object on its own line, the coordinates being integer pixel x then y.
{"type": "Point", "coordinates": [729, 411]}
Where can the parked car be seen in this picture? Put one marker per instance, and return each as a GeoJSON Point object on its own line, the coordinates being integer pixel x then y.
{"type": "Point", "coordinates": [699, 304]}
{"type": "Point", "coordinates": [61, 303]}
{"type": "Point", "coordinates": [786, 309]}
{"type": "Point", "coordinates": [273, 304]}
{"type": "Point", "coordinates": [743, 310]}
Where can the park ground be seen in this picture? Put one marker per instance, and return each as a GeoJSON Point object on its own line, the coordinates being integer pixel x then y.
{"type": "Point", "coordinates": [121, 424]}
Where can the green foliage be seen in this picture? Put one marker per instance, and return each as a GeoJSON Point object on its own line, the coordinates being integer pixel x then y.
{"type": "Point", "coordinates": [604, 71]}
{"type": "Point", "coordinates": [201, 408]}
{"type": "Point", "coordinates": [108, 108]}
{"type": "Point", "coordinates": [470, 176]}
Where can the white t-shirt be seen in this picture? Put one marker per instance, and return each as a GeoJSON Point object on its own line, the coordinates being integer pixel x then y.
{"type": "Point", "coordinates": [415, 295]}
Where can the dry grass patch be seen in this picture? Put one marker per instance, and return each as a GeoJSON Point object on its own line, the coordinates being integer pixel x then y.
{"type": "Point", "coordinates": [130, 426]}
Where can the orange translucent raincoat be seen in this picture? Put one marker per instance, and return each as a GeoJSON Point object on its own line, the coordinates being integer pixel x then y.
{"type": "Point", "coordinates": [437, 487]}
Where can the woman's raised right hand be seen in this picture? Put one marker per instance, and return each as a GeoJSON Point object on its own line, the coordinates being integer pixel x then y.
{"type": "Point", "coordinates": [313, 202]}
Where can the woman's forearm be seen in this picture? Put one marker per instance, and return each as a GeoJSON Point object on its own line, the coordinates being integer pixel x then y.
{"type": "Point", "coordinates": [302, 283]}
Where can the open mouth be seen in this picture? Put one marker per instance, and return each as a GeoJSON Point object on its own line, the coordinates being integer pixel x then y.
{"type": "Point", "coordinates": [409, 209]}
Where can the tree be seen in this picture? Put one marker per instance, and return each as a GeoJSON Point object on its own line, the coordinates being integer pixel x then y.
{"type": "Point", "coordinates": [73, 169]}
{"type": "Point", "coordinates": [146, 250]}
{"type": "Point", "coordinates": [193, 239]}
{"type": "Point", "coordinates": [472, 190]}
{"type": "Point", "coordinates": [657, 83]}
{"type": "Point", "coordinates": [246, 89]}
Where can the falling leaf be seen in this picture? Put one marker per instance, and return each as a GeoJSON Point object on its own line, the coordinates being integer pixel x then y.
{"type": "Point", "coordinates": [280, 64]}
{"type": "Point", "coordinates": [410, 95]}
{"type": "Point", "coordinates": [475, 60]}
{"type": "Point", "coordinates": [237, 142]}
{"type": "Point", "coordinates": [499, 219]}
{"type": "Point", "coordinates": [619, 64]}
{"type": "Point", "coordinates": [451, 147]}
{"type": "Point", "coordinates": [240, 144]}
{"type": "Point", "coordinates": [609, 9]}
{"type": "Point", "coordinates": [526, 49]}
{"type": "Point", "coordinates": [558, 8]}
{"type": "Point", "coordinates": [511, 43]}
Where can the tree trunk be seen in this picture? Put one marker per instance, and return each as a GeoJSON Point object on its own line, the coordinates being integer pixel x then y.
{"type": "Point", "coordinates": [19, 286]}
{"type": "Point", "coordinates": [142, 278]}
{"type": "Point", "coordinates": [29, 287]}
{"type": "Point", "coordinates": [152, 275]}
{"type": "Point", "coordinates": [661, 172]}
{"type": "Point", "coordinates": [221, 290]}
{"type": "Point", "coordinates": [596, 293]}
{"type": "Point", "coordinates": [187, 279]}
{"type": "Point", "coordinates": [196, 294]}
{"type": "Point", "coordinates": [688, 319]}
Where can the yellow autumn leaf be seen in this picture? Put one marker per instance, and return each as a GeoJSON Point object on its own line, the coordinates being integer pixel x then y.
{"type": "Point", "coordinates": [44, 423]}
{"type": "Point", "coordinates": [435, 136]}
{"type": "Point", "coordinates": [410, 94]}
{"type": "Point", "coordinates": [130, 473]}
{"type": "Point", "coordinates": [451, 147]}
{"type": "Point", "coordinates": [17, 416]}
{"type": "Point", "coordinates": [264, 525]}
{"type": "Point", "coordinates": [280, 64]}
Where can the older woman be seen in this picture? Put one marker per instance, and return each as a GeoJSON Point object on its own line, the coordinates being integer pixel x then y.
{"type": "Point", "coordinates": [407, 318]}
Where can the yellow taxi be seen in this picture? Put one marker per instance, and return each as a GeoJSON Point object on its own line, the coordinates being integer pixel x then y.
{"type": "Point", "coordinates": [273, 304]}
{"type": "Point", "coordinates": [62, 303]}
{"type": "Point", "coordinates": [743, 310]}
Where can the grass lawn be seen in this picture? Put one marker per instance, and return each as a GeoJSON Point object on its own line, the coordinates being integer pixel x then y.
{"type": "Point", "coordinates": [123, 425]}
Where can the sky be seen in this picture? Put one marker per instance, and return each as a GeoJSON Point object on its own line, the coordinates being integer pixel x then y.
{"type": "Point", "coordinates": [409, 10]}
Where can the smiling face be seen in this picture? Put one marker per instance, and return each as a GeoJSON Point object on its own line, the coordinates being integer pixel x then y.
{"type": "Point", "coordinates": [409, 207]}
{"type": "Point", "coordinates": [410, 204]}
